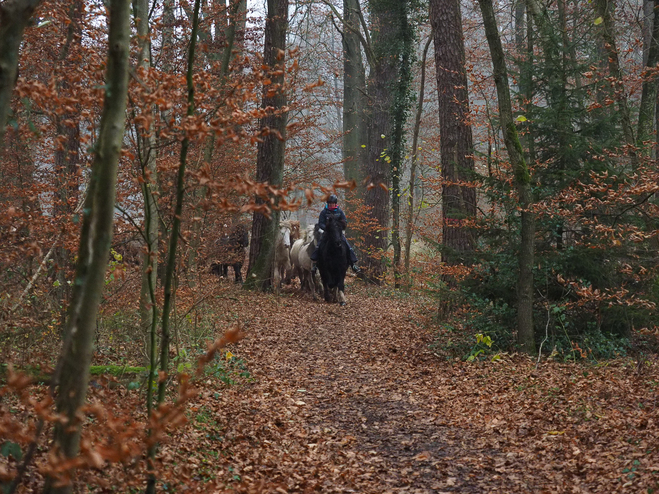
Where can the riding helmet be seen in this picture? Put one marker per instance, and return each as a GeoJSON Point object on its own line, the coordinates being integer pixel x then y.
{"type": "Point", "coordinates": [332, 199]}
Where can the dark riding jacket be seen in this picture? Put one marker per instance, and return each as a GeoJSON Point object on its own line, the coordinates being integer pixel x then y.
{"type": "Point", "coordinates": [337, 213]}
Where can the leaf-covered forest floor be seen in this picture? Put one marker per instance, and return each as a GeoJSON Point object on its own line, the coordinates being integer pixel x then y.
{"type": "Point", "coordinates": [354, 399]}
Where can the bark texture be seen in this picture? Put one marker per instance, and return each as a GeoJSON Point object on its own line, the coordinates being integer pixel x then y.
{"type": "Point", "coordinates": [355, 133]}
{"type": "Point", "coordinates": [270, 156]}
{"type": "Point", "coordinates": [67, 154]}
{"type": "Point", "coordinates": [456, 145]}
{"type": "Point", "coordinates": [354, 94]}
{"type": "Point", "coordinates": [382, 76]}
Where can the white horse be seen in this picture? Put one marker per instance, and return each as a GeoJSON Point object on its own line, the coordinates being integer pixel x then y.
{"type": "Point", "coordinates": [295, 236]}
{"type": "Point", "coordinates": [301, 261]}
{"type": "Point", "coordinates": [282, 253]}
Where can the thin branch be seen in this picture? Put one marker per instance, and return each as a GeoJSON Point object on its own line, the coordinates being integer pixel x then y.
{"type": "Point", "coordinates": [364, 38]}
{"type": "Point", "coordinates": [365, 27]}
{"type": "Point", "coordinates": [337, 28]}
{"type": "Point", "coordinates": [36, 275]}
{"type": "Point", "coordinates": [635, 205]}
{"type": "Point", "coordinates": [546, 336]}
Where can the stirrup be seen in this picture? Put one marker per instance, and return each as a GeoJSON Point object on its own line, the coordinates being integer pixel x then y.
{"type": "Point", "coordinates": [355, 268]}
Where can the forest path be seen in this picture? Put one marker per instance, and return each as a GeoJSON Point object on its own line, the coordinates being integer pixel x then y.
{"type": "Point", "coordinates": [351, 399]}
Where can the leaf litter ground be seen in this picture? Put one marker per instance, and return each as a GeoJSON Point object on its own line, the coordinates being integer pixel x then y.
{"type": "Point", "coordinates": [352, 399]}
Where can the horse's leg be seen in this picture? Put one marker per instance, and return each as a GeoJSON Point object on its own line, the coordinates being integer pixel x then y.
{"type": "Point", "coordinates": [317, 284]}
{"type": "Point", "coordinates": [339, 290]}
{"type": "Point", "coordinates": [225, 270]}
{"type": "Point", "coordinates": [276, 281]}
{"type": "Point", "coordinates": [304, 281]}
{"type": "Point", "coordinates": [238, 272]}
{"type": "Point", "coordinates": [310, 281]}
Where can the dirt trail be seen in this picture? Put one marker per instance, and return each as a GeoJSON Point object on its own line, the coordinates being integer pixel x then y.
{"type": "Point", "coordinates": [348, 399]}
{"type": "Point", "coordinates": [353, 400]}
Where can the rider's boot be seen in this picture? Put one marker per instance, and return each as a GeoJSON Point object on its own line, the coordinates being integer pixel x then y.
{"type": "Point", "coordinates": [314, 268]}
{"type": "Point", "coordinates": [355, 268]}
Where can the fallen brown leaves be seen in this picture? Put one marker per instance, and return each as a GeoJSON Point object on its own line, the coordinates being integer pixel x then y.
{"type": "Point", "coordinates": [351, 400]}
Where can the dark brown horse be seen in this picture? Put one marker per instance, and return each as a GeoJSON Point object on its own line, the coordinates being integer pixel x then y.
{"type": "Point", "coordinates": [229, 250]}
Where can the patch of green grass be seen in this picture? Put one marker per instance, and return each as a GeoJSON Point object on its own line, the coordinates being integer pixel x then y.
{"type": "Point", "coordinates": [42, 376]}
{"type": "Point", "coordinates": [115, 370]}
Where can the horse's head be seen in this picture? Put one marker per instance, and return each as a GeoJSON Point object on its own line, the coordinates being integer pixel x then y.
{"type": "Point", "coordinates": [285, 235]}
{"type": "Point", "coordinates": [334, 232]}
{"type": "Point", "coordinates": [309, 234]}
{"type": "Point", "coordinates": [295, 230]}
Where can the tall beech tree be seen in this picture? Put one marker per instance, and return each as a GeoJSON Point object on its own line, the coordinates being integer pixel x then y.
{"type": "Point", "coordinates": [402, 101]}
{"type": "Point", "coordinates": [355, 134]}
{"type": "Point", "coordinates": [95, 238]}
{"type": "Point", "coordinates": [456, 141]}
{"type": "Point", "coordinates": [67, 153]}
{"type": "Point", "coordinates": [272, 146]}
{"type": "Point", "coordinates": [354, 84]}
{"type": "Point", "coordinates": [409, 226]}
{"type": "Point", "coordinates": [386, 46]}
{"type": "Point", "coordinates": [229, 29]}
{"type": "Point", "coordinates": [522, 180]}
{"type": "Point", "coordinates": [169, 287]}
{"type": "Point", "coordinates": [147, 154]}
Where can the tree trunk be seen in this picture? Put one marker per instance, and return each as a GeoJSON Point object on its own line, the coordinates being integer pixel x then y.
{"type": "Point", "coordinates": [354, 93]}
{"type": "Point", "coordinates": [458, 201]}
{"type": "Point", "coordinates": [409, 230]}
{"type": "Point", "coordinates": [95, 239]}
{"type": "Point", "coordinates": [400, 109]}
{"type": "Point", "coordinates": [14, 17]}
{"type": "Point", "coordinates": [169, 287]}
{"type": "Point", "coordinates": [604, 9]}
{"type": "Point", "coordinates": [528, 86]}
{"type": "Point", "coordinates": [522, 180]}
{"type": "Point", "coordinates": [147, 158]}
{"type": "Point", "coordinates": [270, 155]}
{"type": "Point", "coordinates": [382, 77]}
{"type": "Point", "coordinates": [649, 92]}
{"type": "Point", "coordinates": [355, 131]}
{"type": "Point", "coordinates": [67, 157]}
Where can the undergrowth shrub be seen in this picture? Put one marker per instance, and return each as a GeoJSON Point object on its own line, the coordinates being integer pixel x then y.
{"type": "Point", "coordinates": [592, 292]}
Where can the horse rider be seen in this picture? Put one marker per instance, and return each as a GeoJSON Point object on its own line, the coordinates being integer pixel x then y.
{"type": "Point", "coordinates": [332, 209]}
